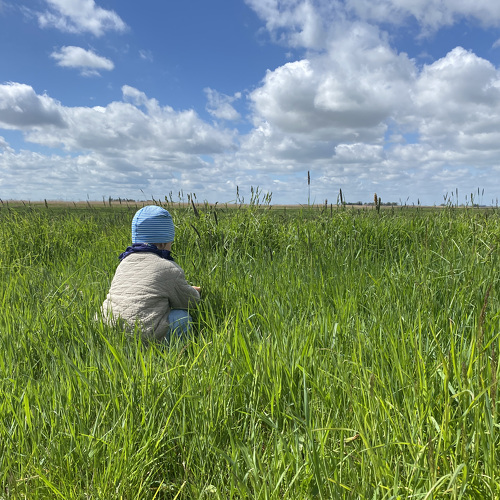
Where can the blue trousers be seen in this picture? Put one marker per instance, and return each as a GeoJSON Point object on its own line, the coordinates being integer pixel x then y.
{"type": "Point", "coordinates": [179, 324]}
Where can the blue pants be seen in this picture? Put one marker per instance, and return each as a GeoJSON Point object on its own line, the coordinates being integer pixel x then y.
{"type": "Point", "coordinates": [179, 324]}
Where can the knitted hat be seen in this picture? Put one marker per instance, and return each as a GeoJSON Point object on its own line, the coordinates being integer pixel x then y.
{"type": "Point", "coordinates": [152, 224]}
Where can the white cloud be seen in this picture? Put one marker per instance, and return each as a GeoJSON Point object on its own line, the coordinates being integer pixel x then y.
{"type": "Point", "coordinates": [220, 105]}
{"type": "Point", "coordinates": [80, 16]}
{"type": "Point", "coordinates": [296, 22]}
{"type": "Point", "coordinates": [137, 97]}
{"type": "Point", "coordinates": [21, 108]}
{"type": "Point", "coordinates": [457, 102]}
{"type": "Point", "coordinates": [339, 109]}
{"type": "Point", "coordinates": [146, 55]}
{"type": "Point", "coordinates": [310, 23]}
{"type": "Point", "coordinates": [123, 128]}
{"type": "Point", "coordinates": [356, 86]}
{"type": "Point", "coordinates": [87, 61]}
{"type": "Point", "coordinates": [334, 97]}
{"type": "Point", "coordinates": [118, 146]}
{"type": "Point", "coordinates": [359, 153]}
{"type": "Point", "coordinates": [135, 176]}
{"type": "Point", "coordinates": [3, 143]}
{"type": "Point", "coordinates": [429, 13]}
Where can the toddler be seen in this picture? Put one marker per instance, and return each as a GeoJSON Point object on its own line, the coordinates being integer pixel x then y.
{"type": "Point", "coordinates": [149, 291]}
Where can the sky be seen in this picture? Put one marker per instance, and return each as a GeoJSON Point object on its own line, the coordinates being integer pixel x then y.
{"type": "Point", "coordinates": [133, 100]}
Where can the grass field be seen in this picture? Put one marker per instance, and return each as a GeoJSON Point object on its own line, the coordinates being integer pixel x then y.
{"type": "Point", "coordinates": [340, 354]}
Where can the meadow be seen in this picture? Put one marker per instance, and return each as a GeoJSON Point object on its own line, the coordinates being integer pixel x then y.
{"type": "Point", "coordinates": [340, 353]}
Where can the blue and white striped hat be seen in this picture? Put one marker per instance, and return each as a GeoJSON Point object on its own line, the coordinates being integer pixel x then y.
{"type": "Point", "coordinates": [152, 224]}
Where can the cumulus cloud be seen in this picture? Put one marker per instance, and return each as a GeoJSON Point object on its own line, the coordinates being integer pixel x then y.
{"type": "Point", "coordinates": [338, 115]}
{"type": "Point", "coordinates": [457, 102]}
{"type": "Point", "coordinates": [21, 108]}
{"type": "Point", "coordinates": [359, 153]}
{"type": "Point", "coordinates": [117, 149]}
{"type": "Point", "coordinates": [3, 143]}
{"type": "Point", "coordinates": [86, 60]}
{"type": "Point", "coordinates": [306, 108]}
{"type": "Point", "coordinates": [340, 109]}
{"type": "Point", "coordinates": [428, 13]}
{"type": "Point", "coordinates": [137, 97]}
{"type": "Point", "coordinates": [295, 22]}
{"type": "Point", "coordinates": [334, 98]}
{"type": "Point", "coordinates": [309, 23]}
{"type": "Point", "coordinates": [80, 16]}
{"type": "Point", "coordinates": [220, 105]}
{"type": "Point", "coordinates": [125, 142]}
{"type": "Point", "coordinates": [141, 124]}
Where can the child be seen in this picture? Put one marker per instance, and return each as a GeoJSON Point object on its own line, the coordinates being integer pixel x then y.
{"type": "Point", "coordinates": [149, 290]}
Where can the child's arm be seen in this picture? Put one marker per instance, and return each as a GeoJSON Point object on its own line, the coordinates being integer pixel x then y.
{"type": "Point", "coordinates": [185, 295]}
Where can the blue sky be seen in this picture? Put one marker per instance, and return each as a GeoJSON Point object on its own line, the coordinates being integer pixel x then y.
{"type": "Point", "coordinates": [132, 100]}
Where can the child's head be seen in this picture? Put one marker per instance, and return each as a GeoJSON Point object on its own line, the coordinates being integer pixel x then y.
{"type": "Point", "coordinates": [152, 224]}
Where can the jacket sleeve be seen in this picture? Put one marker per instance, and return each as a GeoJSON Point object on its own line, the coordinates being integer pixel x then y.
{"type": "Point", "coordinates": [184, 296]}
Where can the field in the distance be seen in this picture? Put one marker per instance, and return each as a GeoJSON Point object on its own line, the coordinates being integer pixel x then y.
{"type": "Point", "coordinates": [340, 353]}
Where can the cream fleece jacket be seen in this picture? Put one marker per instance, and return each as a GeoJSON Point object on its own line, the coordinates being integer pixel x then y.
{"type": "Point", "coordinates": [144, 290]}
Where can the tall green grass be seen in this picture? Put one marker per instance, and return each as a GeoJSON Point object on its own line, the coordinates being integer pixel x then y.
{"type": "Point", "coordinates": [339, 354]}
